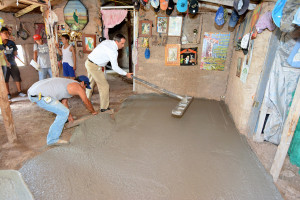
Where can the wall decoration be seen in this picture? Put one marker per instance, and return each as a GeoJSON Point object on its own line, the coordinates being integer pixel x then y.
{"type": "Point", "coordinates": [239, 67]}
{"type": "Point", "coordinates": [39, 28]}
{"type": "Point", "coordinates": [61, 28]}
{"type": "Point", "coordinates": [175, 25]}
{"type": "Point", "coordinates": [60, 43]}
{"type": "Point", "coordinates": [145, 28]}
{"type": "Point", "coordinates": [76, 15]}
{"type": "Point", "coordinates": [247, 63]}
{"type": "Point", "coordinates": [188, 56]}
{"type": "Point", "coordinates": [214, 51]}
{"type": "Point", "coordinates": [145, 42]}
{"type": "Point", "coordinates": [172, 54]}
{"type": "Point", "coordinates": [162, 24]}
{"type": "Point", "coordinates": [79, 43]}
{"type": "Point", "coordinates": [89, 42]}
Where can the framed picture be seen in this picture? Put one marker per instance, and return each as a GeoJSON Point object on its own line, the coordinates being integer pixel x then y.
{"type": "Point", "coordinates": [145, 42]}
{"type": "Point", "coordinates": [162, 24]}
{"type": "Point", "coordinates": [188, 56]}
{"type": "Point", "coordinates": [39, 28]}
{"type": "Point", "coordinates": [89, 42]}
{"type": "Point", "coordinates": [172, 54]}
{"type": "Point", "coordinates": [61, 28]}
{"type": "Point", "coordinates": [60, 43]}
{"type": "Point", "coordinates": [145, 28]}
{"type": "Point", "coordinates": [175, 25]}
{"type": "Point", "coordinates": [79, 43]}
{"type": "Point", "coordinates": [76, 15]}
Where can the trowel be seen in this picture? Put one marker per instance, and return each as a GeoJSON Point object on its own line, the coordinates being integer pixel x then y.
{"type": "Point", "coordinates": [181, 107]}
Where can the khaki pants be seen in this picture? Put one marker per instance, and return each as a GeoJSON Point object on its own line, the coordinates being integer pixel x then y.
{"type": "Point", "coordinates": [96, 73]}
{"type": "Point", "coordinates": [89, 92]}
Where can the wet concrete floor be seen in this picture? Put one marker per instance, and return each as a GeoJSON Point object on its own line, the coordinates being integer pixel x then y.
{"type": "Point", "coordinates": [148, 154]}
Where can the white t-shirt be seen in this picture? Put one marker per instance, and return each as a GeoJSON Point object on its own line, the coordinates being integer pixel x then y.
{"type": "Point", "coordinates": [106, 51]}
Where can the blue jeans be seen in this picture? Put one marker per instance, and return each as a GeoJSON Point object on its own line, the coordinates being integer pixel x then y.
{"type": "Point", "coordinates": [43, 73]}
{"type": "Point", "coordinates": [62, 113]}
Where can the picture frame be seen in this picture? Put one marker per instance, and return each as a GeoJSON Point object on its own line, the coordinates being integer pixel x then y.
{"type": "Point", "coordinates": [145, 28]}
{"type": "Point", "coordinates": [89, 42]}
{"type": "Point", "coordinates": [61, 28]}
{"type": "Point", "coordinates": [162, 24]}
{"type": "Point", "coordinates": [172, 54]}
{"type": "Point", "coordinates": [76, 15]}
{"type": "Point", "coordinates": [175, 26]}
{"type": "Point", "coordinates": [188, 56]}
{"type": "Point", "coordinates": [79, 43]}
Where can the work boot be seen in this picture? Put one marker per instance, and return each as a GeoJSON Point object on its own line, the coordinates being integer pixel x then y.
{"type": "Point", "coordinates": [108, 111]}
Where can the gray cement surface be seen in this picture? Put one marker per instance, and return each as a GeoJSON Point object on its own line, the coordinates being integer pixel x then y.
{"type": "Point", "coordinates": [148, 154]}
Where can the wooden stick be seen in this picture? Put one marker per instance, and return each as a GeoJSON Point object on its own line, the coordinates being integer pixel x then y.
{"type": "Point", "coordinates": [287, 135]}
{"type": "Point", "coordinates": [6, 111]}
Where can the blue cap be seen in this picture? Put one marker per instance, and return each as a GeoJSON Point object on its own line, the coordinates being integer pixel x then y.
{"type": "Point", "coordinates": [85, 80]}
{"type": "Point", "coordinates": [147, 53]}
{"type": "Point", "coordinates": [234, 18]}
{"type": "Point", "coordinates": [219, 19]}
{"type": "Point", "coordinates": [182, 5]}
{"type": "Point", "coordinates": [277, 12]}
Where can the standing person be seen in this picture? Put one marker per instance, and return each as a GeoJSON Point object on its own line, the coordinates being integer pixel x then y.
{"type": "Point", "coordinates": [11, 51]}
{"type": "Point", "coordinates": [106, 51]}
{"type": "Point", "coordinates": [68, 57]}
{"type": "Point", "coordinates": [89, 92]}
{"type": "Point", "coordinates": [42, 57]}
{"type": "Point", "coordinates": [52, 94]}
{"type": "Point", "coordinates": [4, 35]}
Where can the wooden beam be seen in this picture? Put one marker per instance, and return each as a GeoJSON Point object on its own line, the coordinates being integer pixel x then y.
{"type": "Point", "coordinates": [6, 111]}
{"type": "Point", "coordinates": [25, 10]}
{"type": "Point", "coordinates": [33, 2]}
{"type": "Point", "coordinates": [287, 135]}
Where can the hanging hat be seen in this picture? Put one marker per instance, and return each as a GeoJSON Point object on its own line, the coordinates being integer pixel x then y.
{"type": "Point", "coordinates": [143, 2]}
{"type": "Point", "coordinates": [193, 8]}
{"type": "Point", "coordinates": [234, 18]}
{"type": "Point", "coordinates": [264, 22]}
{"type": "Point", "coordinates": [136, 4]}
{"type": "Point", "coordinates": [154, 3]}
{"type": "Point", "coordinates": [37, 37]}
{"type": "Point", "coordinates": [147, 53]}
{"type": "Point", "coordinates": [241, 6]}
{"type": "Point", "coordinates": [182, 5]}
{"type": "Point", "coordinates": [219, 19]}
{"type": "Point", "coordinates": [170, 7]}
{"type": "Point", "coordinates": [157, 9]}
{"type": "Point", "coordinates": [163, 4]}
{"type": "Point", "coordinates": [277, 12]}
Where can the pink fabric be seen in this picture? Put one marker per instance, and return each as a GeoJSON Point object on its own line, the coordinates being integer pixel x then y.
{"type": "Point", "coordinates": [111, 18]}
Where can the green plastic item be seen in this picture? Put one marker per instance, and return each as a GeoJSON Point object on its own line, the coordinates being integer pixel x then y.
{"type": "Point", "coordinates": [294, 150]}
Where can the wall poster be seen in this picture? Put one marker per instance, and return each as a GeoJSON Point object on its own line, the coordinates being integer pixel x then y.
{"type": "Point", "coordinates": [188, 56]}
{"type": "Point", "coordinates": [214, 51]}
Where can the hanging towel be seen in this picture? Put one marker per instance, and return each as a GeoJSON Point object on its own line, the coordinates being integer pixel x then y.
{"type": "Point", "coordinates": [111, 18]}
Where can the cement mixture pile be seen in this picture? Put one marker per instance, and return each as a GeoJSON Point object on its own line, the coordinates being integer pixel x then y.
{"type": "Point", "coordinates": [148, 154]}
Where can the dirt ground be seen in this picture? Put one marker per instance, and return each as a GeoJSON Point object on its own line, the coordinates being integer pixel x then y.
{"type": "Point", "coordinates": [32, 141]}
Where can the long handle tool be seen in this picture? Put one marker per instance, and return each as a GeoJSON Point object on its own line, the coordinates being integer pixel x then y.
{"type": "Point", "coordinates": [181, 107]}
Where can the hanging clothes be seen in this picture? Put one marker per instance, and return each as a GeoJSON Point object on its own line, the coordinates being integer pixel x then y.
{"type": "Point", "coordinates": [112, 18]}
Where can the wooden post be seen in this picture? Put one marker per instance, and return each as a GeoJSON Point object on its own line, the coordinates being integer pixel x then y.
{"type": "Point", "coordinates": [51, 44]}
{"type": "Point", "coordinates": [6, 111]}
{"type": "Point", "coordinates": [287, 135]}
{"type": "Point", "coordinates": [129, 41]}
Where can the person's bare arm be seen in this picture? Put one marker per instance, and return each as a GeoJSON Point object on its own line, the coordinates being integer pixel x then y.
{"type": "Point", "coordinates": [65, 102]}
{"type": "Point", "coordinates": [77, 89]}
{"type": "Point", "coordinates": [58, 49]}
{"type": "Point", "coordinates": [35, 55]}
{"type": "Point", "coordinates": [72, 49]}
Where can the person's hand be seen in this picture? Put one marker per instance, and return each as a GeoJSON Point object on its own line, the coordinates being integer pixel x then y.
{"type": "Point", "coordinates": [70, 118]}
{"type": "Point", "coordinates": [129, 75]}
{"type": "Point", "coordinates": [74, 67]}
{"type": "Point", "coordinates": [56, 45]}
{"type": "Point", "coordinates": [8, 64]}
{"type": "Point", "coordinates": [94, 113]}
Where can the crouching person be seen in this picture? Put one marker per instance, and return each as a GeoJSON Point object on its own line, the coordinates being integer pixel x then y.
{"type": "Point", "coordinates": [52, 95]}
